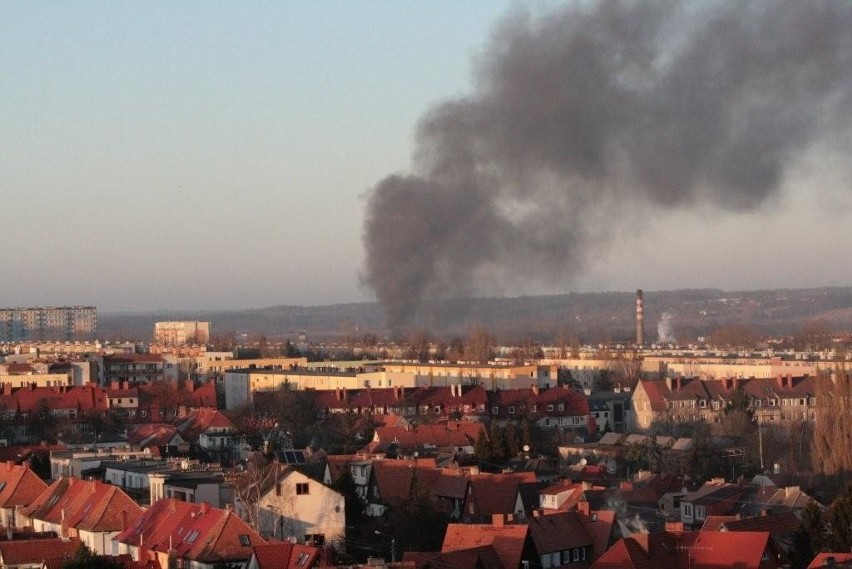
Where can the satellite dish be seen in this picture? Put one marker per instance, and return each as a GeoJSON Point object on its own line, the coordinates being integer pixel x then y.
{"type": "Point", "coordinates": [526, 448]}
{"type": "Point", "coordinates": [583, 462]}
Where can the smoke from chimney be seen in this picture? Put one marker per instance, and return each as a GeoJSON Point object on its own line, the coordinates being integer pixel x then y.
{"type": "Point", "coordinates": [584, 117]}
{"type": "Point", "coordinates": [665, 328]}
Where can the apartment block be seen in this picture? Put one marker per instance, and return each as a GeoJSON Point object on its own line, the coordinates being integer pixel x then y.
{"type": "Point", "coordinates": [48, 323]}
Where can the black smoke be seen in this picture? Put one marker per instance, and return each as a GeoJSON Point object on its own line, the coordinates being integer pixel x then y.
{"type": "Point", "coordinates": [586, 113]}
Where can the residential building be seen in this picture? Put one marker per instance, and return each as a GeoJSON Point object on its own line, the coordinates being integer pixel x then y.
{"type": "Point", "coordinates": [92, 511]}
{"type": "Point", "coordinates": [181, 333]}
{"type": "Point", "coordinates": [283, 555]}
{"type": "Point", "coordinates": [181, 534]}
{"type": "Point", "coordinates": [292, 504]}
{"type": "Point", "coordinates": [34, 553]}
{"type": "Point", "coordinates": [19, 487]}
{"type": "Point", "coordinates": [48, 323]}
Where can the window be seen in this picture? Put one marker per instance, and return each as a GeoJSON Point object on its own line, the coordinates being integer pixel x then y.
{"type": "Point", "coordinates": [278, 489]}
{"type": "Point", "coordinates": [301, 488]}
{"type": "Point", "coordinates": [193, 535]}
{"type": "Point", "coordinates": [494, 410]}
{"type": "Point", "coordinates": [699, 512]}
{"type": "Point", "coordinates": [550, 407]}
{"type": "Point", "coordinates": [511, 409]}
{"type": "Point", "coordinates": [576, 555]}
{"type": "Point", "coordinates": [561, 407]}
{"type": "Point", "coordinates": [244, 540]}
{"type": "Point", "coordinates": [303, 559]}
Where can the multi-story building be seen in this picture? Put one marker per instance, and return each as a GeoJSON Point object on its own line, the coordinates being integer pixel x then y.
{"type": "Point", "coordinates": [181, 333]}
{"type": "Point", "coordinates": [48, 323]}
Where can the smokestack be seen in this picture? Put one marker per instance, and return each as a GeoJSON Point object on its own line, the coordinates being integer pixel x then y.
{"type": "Point", "coordinates": [640, 318]}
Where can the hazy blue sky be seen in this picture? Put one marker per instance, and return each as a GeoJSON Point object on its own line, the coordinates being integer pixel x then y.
{"type": "Point", "coordinates": [215, 155]}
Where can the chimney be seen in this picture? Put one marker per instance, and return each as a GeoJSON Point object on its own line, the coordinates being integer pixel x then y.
{"type": "Point", "coordinates": [789, 381]}
{"type": "Point", "coordinates": [674, 527]}
{"type": "Point", "coordinates": [640, 318]}
{"type": "Point", "coordinates": [678, 383]}
{"type": "Point", "coordinates": [584, 508]}
{"type": "Point", "coordinates": [669, 383]}
{"type": "Point", "coordinates": [10, 464]}
{"type": "Point", "coordinates": [7, 388]}
{"type": "Point", "coordinates": [736, 383]}
{"type": "Point", "coordinates": [535, 389]}
{"type": "Point", "coordinates": [780, 381]}
{"type": "Point", "coordinates": [497, 520]}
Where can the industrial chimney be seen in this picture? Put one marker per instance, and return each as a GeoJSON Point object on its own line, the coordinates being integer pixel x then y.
{"type": "Point", "coordinates": [640, 319]}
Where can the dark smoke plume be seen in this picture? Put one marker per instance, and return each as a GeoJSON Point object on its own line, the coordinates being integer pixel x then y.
{"type": "Point", "coordinates": [588, 112]}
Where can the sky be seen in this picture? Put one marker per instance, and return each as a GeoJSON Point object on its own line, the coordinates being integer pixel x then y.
{"type": "Point", "coordinates": [217, 155]}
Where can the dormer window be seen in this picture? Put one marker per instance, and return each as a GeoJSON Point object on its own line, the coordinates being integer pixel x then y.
{"type": "Point", "coordinates": [511, 409]}
{"type": "Point", "coordinates": [495, 410]}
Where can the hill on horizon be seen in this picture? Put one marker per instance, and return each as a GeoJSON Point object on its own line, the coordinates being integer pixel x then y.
{"type": "Point", "coordinates": [589, 316]}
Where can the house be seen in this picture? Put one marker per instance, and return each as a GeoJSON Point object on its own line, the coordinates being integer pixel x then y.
{"type": "Point", "coordinates": [287, 503]}
{"type": "Point", "coordinates": [772, 400]}
{"type": "Point", "coordinates": [511, 543]}
{"type": "Point", "coordinates": [677, 549]}
{"type": "Point", "coordinates": [191, 535]}
{"type": "Point", "coordinates": [283, 555]}
{"type": "Point", "coordinates": [209, 428]}
{"type": "Point", "coordinates": [191, 485]}
{"type": "Point", "coordinates": [395, 482]}
{"type": "Point", "coordinates": [32, 553]}
{"type": "Point", "coordinates": [92, 511]}
{"type": "Point", "coordinates": [553, 408]}
{"type": "Point", "coordinates": [452, 437]}
{"type": "Point", "coordinates": [571, 538]}
{"type": "Point", "coordinates": [712, 498]}
{"type": "Point", "coordinates": [19, 487]}
{"type": "Point", "coordinates": [495, 494]}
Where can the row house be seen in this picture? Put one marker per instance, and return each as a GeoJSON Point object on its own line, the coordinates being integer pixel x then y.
{"type": "Point", "coordinates": [94, 512]}
{"type": "Point", "coordinates": [555, 408]}
{"type": "Point", "coordinates": [781, 399]}
{"type": "Point", "coordinates": [19, 487]}
{"type": "Point", "coordinates": [181, 534]}
{"type": "Point", "coordinates": [713, 498]}
{"type": "Point", "coordinates": [452, 437]}
{"type": "Point", "coordinates": [37, 553]}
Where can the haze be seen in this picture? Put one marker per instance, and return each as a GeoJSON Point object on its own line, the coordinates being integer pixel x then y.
{"type": "Point", "coordinates": [211, 155]}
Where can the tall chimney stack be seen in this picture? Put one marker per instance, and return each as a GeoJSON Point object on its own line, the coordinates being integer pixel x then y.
{"type": "Point", "coordinates": [640, 319]}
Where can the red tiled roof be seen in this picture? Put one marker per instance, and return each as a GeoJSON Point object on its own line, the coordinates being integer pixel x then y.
{"type": "Point", "coordinates": [81, 398]}
{"type": "Point", "coordinates": [698, 550]}
{"type": "Point", "coordinates": [497, 493]}
{"type": "Point", "coordinates": [821, 560]}
{"type": "Point", "coordinates": [31, 551]}
{"type": "Point", "coordinates": [202, 396]}
{"type": "Point", "coordinates": [21, 486]}
{"type": "Point", "coordinates": [285, 555]}
{"type": "Point", "coordinates": [452, 434]}
{"type": "Point", "coordinates": [153, 434]}
{"type": "Point", "coordinates": [91, 506]}
{"type": "Point", "coordinates": [558, 532]}
{"type": "Point", "coordinates": [715, 523]}
{"type": "Point", "coordinates": [196, 532]}
{"type": "Point", "coordinates": [778, 524]}
{"type": "Point", "coordinates": [508, 541]}
{"type": "Point", "coordinates": [394, 478]}
{"type": "Point", "coordinates": [482, 557]}
{"type": "Point", "coordinates": [201, 420]}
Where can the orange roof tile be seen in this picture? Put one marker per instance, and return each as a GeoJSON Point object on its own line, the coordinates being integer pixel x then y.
{"type": "Point", "coordinates": [508, 541]}
{"type": "Point", "coordinates": [31, 551]}
{"type": "Point", "coordinates": [20, 485]}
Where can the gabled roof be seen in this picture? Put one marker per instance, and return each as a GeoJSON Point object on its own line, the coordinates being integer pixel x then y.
{"type": "Point", "coordinates": [19, 486]}
{"type": "Point", "coordinates": [482, 557]}
{"type": "Point", "coordinates": [682, 550]}
{"type": "Point", "coordinates": [395, 478]}
{"type": "Point", "coordinates": [778, 524]}
{"type": "Point", "coordinates": [154, 435]}
{"type": "Point", "coordinates": [451, 434]}
{"type": "Point", "coordinates": [508, 540]}
{"type": "Point", "coordinates": [82, 398]}
{"type": "Point", "coordinates": [31, 551]}
{"type": "Point", "coordinates": [195, 532]}
{"type": "Point", "coordinates": [558, 532]}
{"type": "Point", "coordinates": [830, 560]}
{"type": "Point", "coordinates": [284, 555]}
{"type": "Point", "coordinates": [497, 493]}
{"type": "Point", "coordinates": [87, 506]}
{"type": "Point", "coordinates": [202, 420]}
{"type": "Point", "coordinates": [202, 396]}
